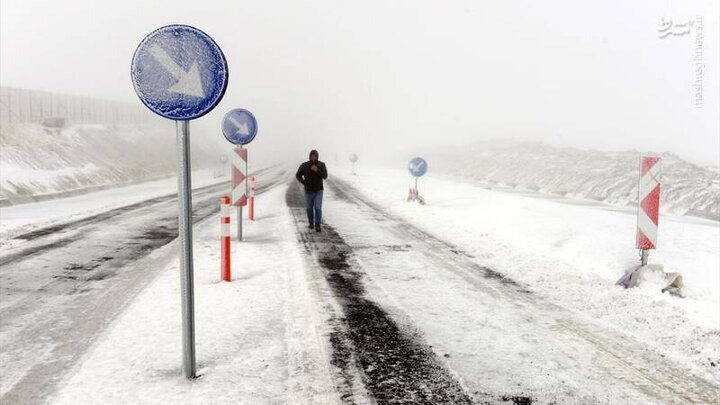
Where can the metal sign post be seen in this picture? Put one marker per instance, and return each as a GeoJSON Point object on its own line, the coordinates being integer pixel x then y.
{"type": "Point", "coordinates": [239, 221]}
{"type": "Point", "coordinates": [186, 254]}
{"type": "Point", "coordinates": [239, 127]}
{"type": "Point", "coordinates": [648, 206]}
{"type": "Point", "coordinates": [243, 201]}
{"type": "Point", "coordinates": [417, 168]}
{"type": "Point", "coordinates": [353, 158]}
{"type": "Point", "coordinates": [180, 73]}
{"type": "Point", "coordinates": [239, 184]}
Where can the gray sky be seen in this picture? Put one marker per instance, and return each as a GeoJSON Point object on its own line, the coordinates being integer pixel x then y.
{"type": "Point", "coordinates": [370, 75]}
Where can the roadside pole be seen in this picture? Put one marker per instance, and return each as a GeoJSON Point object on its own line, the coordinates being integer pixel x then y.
{"type": "Point", "coordinates": [225, 273]}
{"type": "Point", "coordinates": [186, 253]}
{"type": "Point", "coordinates": [239, 180]}
{"type": "Point", "coordinates": [644, 253]}
{"type": "Point", "coordinates": [417, 168]}
{"type": "Point", "coordinates": [177, 92]}
{"type": "Point", "coordinates": [239, 207]}
{"type": "Point", "coordinates": [251, 208]}
{"type": "Point", "coordinates": [239, 127]}
{"type": "Point", "coordinates": [353, 158]}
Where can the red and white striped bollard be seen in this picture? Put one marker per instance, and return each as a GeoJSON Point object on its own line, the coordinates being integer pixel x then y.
{"type": "Point", "coordinates": [251, 210]}
{"type": "Point", "coordinates": [225, 238]}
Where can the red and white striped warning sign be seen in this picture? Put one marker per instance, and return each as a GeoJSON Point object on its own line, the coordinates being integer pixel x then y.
{"type": "Point", "coordinates": [239, 177]}
{"type": "Point", "coordinates": [648, 202]}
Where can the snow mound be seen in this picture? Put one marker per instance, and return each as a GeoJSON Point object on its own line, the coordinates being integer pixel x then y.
{"type": "Point", "coordinates": [610, 177]}
{"type": "Point", "coordinates": [38, 162]}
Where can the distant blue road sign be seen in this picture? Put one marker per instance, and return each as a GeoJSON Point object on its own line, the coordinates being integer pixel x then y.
{"type": "Point", "coordinates": [239, 126]}
{"type": "Point", "coordinates": [353, 157]}
{"type": "Point", "coordinates": [179, 72]}
{"type": "Point", "coordinates": [418, 167]}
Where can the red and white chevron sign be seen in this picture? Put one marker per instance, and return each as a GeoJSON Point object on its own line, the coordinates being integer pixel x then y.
{"type": "Point", "coordinates": [648, 203]}
{"type": "Point", "coordinates": [239, 178]}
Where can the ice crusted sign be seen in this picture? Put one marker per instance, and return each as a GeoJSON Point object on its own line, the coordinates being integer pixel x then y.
{"type": "Point", "coordinates": [417, 167]}
{"type": "Point", "coordinates": [239, 126]}
{"type": "Point", "coordinates": [181, 74]}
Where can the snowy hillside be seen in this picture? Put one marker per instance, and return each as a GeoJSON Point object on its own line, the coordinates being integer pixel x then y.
{"type": "Point", "coordinates": [37, 162]}
{"type": "Point", "coordinates": [687, 189]}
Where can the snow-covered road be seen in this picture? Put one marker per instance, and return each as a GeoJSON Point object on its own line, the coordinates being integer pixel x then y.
{"type": "Point", "coordinates": [375, 309]}
{"type": "Point", "coordinates": [61, 285]}
{"type": "Point", "coordinates": [373, 356]}
{"type": "Point", "coordinates": [501, 340]}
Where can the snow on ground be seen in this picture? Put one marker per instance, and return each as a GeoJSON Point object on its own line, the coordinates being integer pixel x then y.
{"type": "Point", "coordinates": [38, 163]}
{"type": "Point", "coordinates": [259, 337]}
{"type": "Point", "coordinates": [26, 217]}
{"type": "Point", "coordinates": [573, 253]}
{"type": "Point", "coordinates": [610, 177]}
{"type": "Point", "coordinates": [263, 337]}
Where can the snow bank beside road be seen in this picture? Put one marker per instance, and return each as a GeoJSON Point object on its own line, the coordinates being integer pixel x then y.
{"type": "Point", "coordinates": [37, 163]}
{"type": "Point", "coordinates": [573, 254]}
{"type": "Point", "coordinates": [610, 177]}
{"type": "Point", "coordinates": [27, 217]}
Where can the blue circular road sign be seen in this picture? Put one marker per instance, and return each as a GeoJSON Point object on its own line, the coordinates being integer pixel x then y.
{"type": "Point", "coordinates": [418, 167]}
{"type": "Point", "coordinates": [179, 72]}
{"type": "Point", "coordinates": [353, 157]}
{"type": "Point", "coordinates": [239, 126]}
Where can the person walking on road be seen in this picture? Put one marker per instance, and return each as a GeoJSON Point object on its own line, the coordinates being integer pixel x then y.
{"type": "Point", "coordinates": [311, 174]}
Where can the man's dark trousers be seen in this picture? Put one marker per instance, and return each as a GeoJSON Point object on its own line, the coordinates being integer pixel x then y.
{"type": "Point", "coordinates": [313, 202]}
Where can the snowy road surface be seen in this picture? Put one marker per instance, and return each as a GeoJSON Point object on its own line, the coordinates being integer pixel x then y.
{"type": "Point", "coordinates": [374, 309]}
{"type": "Point", "coordinates": [64, 283]}
{"type": "Point", "coordinates": [498, 338]}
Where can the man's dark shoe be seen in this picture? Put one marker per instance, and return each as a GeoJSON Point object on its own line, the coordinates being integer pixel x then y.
{"type": "Point", "coordinates": [317, 227]}
{"type": "Point", "coordinates": [311, 226]}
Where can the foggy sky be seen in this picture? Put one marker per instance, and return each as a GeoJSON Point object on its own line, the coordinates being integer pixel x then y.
{"type": "Point", "coordinates": [379, 75]}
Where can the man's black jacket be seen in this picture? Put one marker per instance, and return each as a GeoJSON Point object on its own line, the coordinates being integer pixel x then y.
{"type": "Point", "coordinates": [312, 180]}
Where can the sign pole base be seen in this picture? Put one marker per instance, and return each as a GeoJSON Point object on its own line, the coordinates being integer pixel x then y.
{"type": "Point", "coordinates": [644, 253]}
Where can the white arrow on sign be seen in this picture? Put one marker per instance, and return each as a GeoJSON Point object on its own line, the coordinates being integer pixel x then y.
{"type": "Point", "coordinates": [187, 82]}
{"type": "Point", "coordinates": [416, 168]}
{"type": "Point", "coordinates": [242, 127]}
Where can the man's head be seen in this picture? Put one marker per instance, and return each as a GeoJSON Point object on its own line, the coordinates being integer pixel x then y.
{"type": "Point", "coordinates": [314, 155]}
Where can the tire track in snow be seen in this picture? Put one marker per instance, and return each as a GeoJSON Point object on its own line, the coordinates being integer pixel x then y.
{"type": "Point", "coordinates": [62, 311]}
{"type": "Point", "coordinates": [52, 230]}
{"type": "Point", "coordinates": [617, 356]}
{"type": "Point", "coordinates": [394, 365]}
